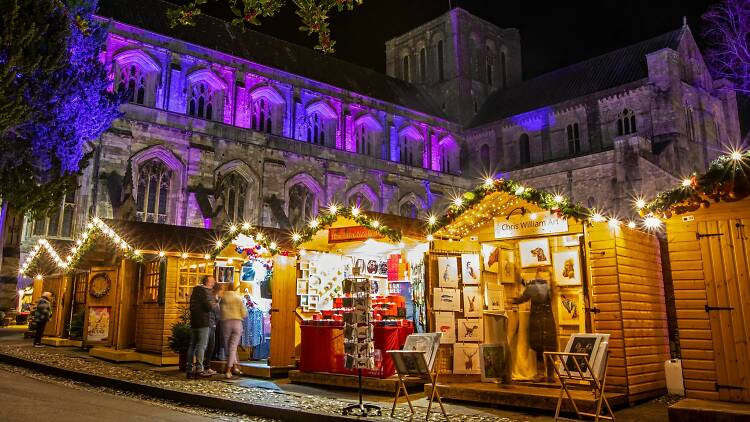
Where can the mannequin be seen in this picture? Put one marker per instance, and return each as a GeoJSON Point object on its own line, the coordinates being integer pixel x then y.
{"type": "Point", "coordinates": [542, 332]}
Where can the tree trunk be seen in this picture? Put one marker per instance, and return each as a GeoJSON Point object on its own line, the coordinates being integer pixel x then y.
{"type": "Point", "coordinates": [11, 224]}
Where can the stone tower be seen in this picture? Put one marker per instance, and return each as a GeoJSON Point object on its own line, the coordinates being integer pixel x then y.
{"type": "Point", "coordinates": [458, 59]}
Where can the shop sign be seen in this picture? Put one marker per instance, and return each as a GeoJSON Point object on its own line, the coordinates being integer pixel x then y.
{"type": "Point", "coordinates": [525, 225]}
{"type": "Point", "coordinates": [351, 234]}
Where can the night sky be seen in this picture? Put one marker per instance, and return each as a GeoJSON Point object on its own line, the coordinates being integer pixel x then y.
{"type": "Point", "coordinates": [553, 33]}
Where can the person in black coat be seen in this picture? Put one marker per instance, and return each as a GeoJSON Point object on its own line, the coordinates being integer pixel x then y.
{"type": "Point", "coordinates": [201, 307]}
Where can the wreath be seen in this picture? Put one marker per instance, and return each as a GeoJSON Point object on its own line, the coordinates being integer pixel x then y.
{"type": "Point", "coordinates": [100, 285]}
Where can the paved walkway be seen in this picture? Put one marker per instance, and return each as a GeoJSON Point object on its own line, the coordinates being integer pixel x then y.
{"type": "Point", "coordinates": [281, 393]}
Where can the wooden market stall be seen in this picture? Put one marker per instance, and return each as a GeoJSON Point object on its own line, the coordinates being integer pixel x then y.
{"type": "Point", "coordinates": [343, 244]}
{"type": "Point", "coordinates": [604, 277]}
{"type": "Point", "coordinates": [706, 224]}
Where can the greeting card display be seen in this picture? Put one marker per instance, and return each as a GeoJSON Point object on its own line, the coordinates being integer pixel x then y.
{"type": "Point", "coordinates": [495, 298]}
{"type": "Point", "coordinates": [359, 348]}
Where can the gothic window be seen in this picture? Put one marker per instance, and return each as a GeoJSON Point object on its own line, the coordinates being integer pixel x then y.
{"type": "Point", "coordinates": [202, 101]}
{"type": "Point", "coordinates": [448, 155]}
{"type": "Point", "coordinates": [490, 66]}
{"type": "Point", "coordinates": [445, 159]}
{"type": "Point", "coordinates": [59, 224]}
{"type": "Point", "coordinates": [484, 156]}
{"type": "Point", "coordinates": [301, 205]}
{"type": "Point", "coordinates": [422, 64]}
{"type": "Point", "coordinates": [524, 150]}
{"type": "Point", "coordinates": [409, 210]}
{"type": "Point", "coordinates": [154, 181]}
{"type": "Point", "coordinates": [132, 81]}
{"type": "Point", "coordinates": [261, 115]}
{"type": "Point", "coordinates": [440, 60]}
{"type": "Point", "coordinates": [410, 150]}
{"type": "Point", "coordinates": [574, 139]}
{"type": "Point", "coordinates": [316, 129]}
{"type": "Point", "coordinates": [405, 68]}
{"type": "Point", "coordinates": [360, 201]}
{"type": "Point", "coordinates": [362, 139]}
{"type": "Point", "coordinates": [235, 196]}
{"type": "Point", "coordinates": [626, 123]}
{"type": "Point", "coordinates": [503, 69]}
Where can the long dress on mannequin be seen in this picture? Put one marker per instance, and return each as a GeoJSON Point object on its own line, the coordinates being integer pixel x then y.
{"type": "Point", "coordinates": [523, 359]}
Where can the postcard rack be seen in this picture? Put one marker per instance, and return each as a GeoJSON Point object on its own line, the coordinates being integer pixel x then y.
{"type": "Point", "coordinates": [560, 361]}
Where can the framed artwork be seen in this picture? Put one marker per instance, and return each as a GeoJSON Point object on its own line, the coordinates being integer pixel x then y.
{"type": "Point", "coordinates": [301, 286]}
{"type": "Point", "coordinates": [495, 298]}
{"type": "Point", "coordinates": [491, 257]}
{"type": "Point", "coordinates": [570, 240]}
{"type": "Point", "coordinates": [470, 268]}
{"type": "Point", "coordinates": [466, 358]}
{"type": "Point", "coordinates": [567, 265]}
{"type": "Point", "coordinates": [359, 267]}
{"type": "Point", "coordinates": [303, 302]}
{"type": "Point", "coordinates": [472, 301]}
{"type": "Point", "coordinates": [470, 329]}
{"type": "Point", "coordinates": [446, 299]}
{"type": "Point", "coordinates": [583, 343]}
{"type": "Point", "coordinates": [409, 362]}
{"type": "Point", "coordinates": [534, 252]}
{"type": "Point", "coordinates": [98, 324]}
{"type": "Point", "coordinates": [507, 266]}
{"type": "Point", "coordinates": [494, 360]}
{"type": "Point", "coordinates": [569, 307]}
{"type": "Point", "coordinates": [447, 271]}
{"type": "Point", "coordinates": [372, 267]}
{"type": "Point", "coordinates": [224, 274]}
{"type": "Point", "coordinates": [428, 343]}
{"type": "Point", "coordinates": [445, 324]}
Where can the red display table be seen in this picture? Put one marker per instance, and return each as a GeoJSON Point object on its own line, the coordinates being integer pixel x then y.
{"type": "Point", "coordinates": [323, 349]}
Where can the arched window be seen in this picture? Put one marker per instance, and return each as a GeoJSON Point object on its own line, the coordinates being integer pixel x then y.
{"type": "Point", "coordinates": [423, 64]}
{"type": "Point", "coordinates": [261, 115]}
{"type": "Point", "coordinates": [235, 196]}
{"type": "Point", "coordinates": [484, 156]}
{"type": "Point", "coordinates": [524, 150]}
{"type": "Point", "coordinates": [360, 201]}
{"type": "Point", "coordinates": [316, 129]}
{"type": "Point", "coordinates": [408, 209]}
{"type": "Point", "coordinates": [490, 65]}
{"type": "Point", "coordinates": [626, 123]}
{"type": "Point", "coordinates": [448, 152]}
{"type": "Point", "coordinates": [368, 135]}
{"type": "Point", "coordinates": [320, 124]}
{"type": "Point", "coordinates": [301, 205]}
{"type": "Point", "coordinates": [410, 147]}
{"type": "Point", "coordinates": [440, 60]}
{"type": "Point", "coordinates": [154, 182]}
{"type": "Point", "coordinates": [405, 68]}
{"type": "Point", "coordinates": [59, 224]}
{"type": "Point", "coordinates": [574, 139]}
{"type": "Point", "coordinates": [202, 101]}
{"type": "Point", "coordinates": [132, 81]}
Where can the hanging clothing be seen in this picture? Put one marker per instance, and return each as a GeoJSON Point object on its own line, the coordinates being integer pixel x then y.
{"type": "Point", "coordinates": [542, 330]}
{"type": "Point", "coordinates": [252, 326]}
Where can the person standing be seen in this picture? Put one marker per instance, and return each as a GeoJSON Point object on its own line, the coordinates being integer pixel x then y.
{"type": "Point", "coordinates": [233, 311]}
{"type": "Point", "coordinates": [213, 320]}
{"type": "Point", "coordinates": [42, 314]}
{"type": "Point", "coordinates": [200, 310]}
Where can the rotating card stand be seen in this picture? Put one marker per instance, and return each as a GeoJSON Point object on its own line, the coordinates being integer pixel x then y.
{"type": "Point", "coordinates": [359, 288]}
{"type": "Point", "coordinates": [561, 362]}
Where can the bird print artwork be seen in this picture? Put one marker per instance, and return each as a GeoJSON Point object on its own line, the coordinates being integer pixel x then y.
{"type": "Point", "coordinates": [470, 329]}
{"type": "Point", "coordinates": [470, 268]}
{"type": "Point", "coordinates": [570, 306]}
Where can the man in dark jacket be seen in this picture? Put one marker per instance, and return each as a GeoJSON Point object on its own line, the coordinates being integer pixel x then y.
{"type": "Point", "coordinates": [200, 308]}
{"type": "Point", "coordinates": [42, 314]}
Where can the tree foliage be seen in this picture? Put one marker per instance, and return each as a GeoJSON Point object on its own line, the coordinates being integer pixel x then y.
{"type": "Point", "coordinates": [64, 110]}
{"type": "Point", "coordinates": [314, 15]}
{"type": "Point", "coordinates": [727, 32]}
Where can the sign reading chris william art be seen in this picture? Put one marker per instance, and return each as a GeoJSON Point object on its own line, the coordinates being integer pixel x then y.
{"type": "Point", "coordinates": [525, 225]}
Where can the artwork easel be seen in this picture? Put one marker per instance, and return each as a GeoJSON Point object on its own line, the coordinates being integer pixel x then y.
{"type": "Point", "coordinates": [419, 369]}
{"type": "Point", "coordinates": [560, 361]}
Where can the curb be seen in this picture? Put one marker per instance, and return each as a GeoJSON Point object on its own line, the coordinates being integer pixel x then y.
{"type": "Point", "coordinates": [209, 401]}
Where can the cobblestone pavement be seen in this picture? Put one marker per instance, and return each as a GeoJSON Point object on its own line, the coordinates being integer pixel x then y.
{"type": "Point", "coordinates": [73, 360]}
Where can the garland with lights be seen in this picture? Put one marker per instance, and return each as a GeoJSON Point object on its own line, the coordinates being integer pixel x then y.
{"type": "Point", "coordinates": [326, 219]}
{"type": "Point", "coordinates": [556, 204]}
{"type": "Point", "coordinates": [258, 237]}
{"type": "Point", "coordinates": [30, 263]}
{"type": "Point", "coordinates": [727, 179]}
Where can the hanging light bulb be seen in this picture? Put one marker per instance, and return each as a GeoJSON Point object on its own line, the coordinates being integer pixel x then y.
{"type": "Point", "coordinates": [184, 255]}
{"type": "Point", "coordinates": [245, 226]}
{"type": "Point", "coordinates": [457, 201]}
{"type": "Point", "coordinates": [520, 190]}
{"type": "Point", "coordinates": [558, 198]}
{"type": "Point", "coordinates": [314, 223]}
{"type": "Point", "coordinates": [219, 243]}
{"type": "Point", "coordinates": [430, 238]}
{"type": "Point", "coordinates": [296, 237]}
{"type": "Point", "coordinates": [355, 211]}
{"type": "Point", "coordinates": [736, 155]}
{"type": "Point", "coordinates": [375, 223]}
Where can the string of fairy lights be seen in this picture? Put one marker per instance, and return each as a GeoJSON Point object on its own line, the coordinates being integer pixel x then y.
{"type": "Point", "coordinates": [726, 179]}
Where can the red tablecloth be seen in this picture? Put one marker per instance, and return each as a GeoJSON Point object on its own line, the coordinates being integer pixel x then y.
{"type": "Point", "coordinates": [323, 349]}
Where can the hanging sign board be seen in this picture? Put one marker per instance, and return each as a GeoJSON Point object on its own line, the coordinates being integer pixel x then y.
{"type": "Point", "coordinates": [351, 234]}
{"type": "Point", "coordinates": [525, 225]}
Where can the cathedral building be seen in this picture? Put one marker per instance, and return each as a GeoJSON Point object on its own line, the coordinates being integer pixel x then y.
{"type": "Point", "coordinates": [270, 132]}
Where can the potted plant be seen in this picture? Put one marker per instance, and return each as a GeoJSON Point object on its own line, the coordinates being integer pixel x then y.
{"type": "Point", "coordinates": [179, 341]}
{"type": "Point", "coordinates": [76, 325]}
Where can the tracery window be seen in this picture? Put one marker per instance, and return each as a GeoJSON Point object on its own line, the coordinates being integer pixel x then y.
{"type": "Point", "coordinates": [316, 129]}
{"type": "Point", "coordinates": [626, 123]}
{"type": "Point", "coordinates": [261, 116]}
{"type": "Point", "coordinates": [410, 150]}
{"type": "Point", "coordinates": [202, 101]}
{"type": "Point", "coordinates": [362, 140]}
{"type": "Point", "coordinates": [132, 81]}
{"type": "Point", "coordinates": [409, 210]}
{"type": "Point", "coordinates": [301, 205]}
{"type": "Point", "coordinates": [360, 201]}
{"type": "Point", "coordinates": [59, 224]}
{"type": "Point", "coordinates": [154, 182]}
{"type": "Point", "coordinates": [503, 69]}
{"type": "Point", "coordinates": [574, 139]}
{"type": "Point", "coordinates": [235, 196]}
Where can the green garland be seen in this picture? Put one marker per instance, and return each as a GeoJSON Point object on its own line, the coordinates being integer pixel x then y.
{"type": "Point", "coordinates": [326, 219]}
{"type": "Point", "coordinates": [727, 179]}
{"type": "Point", "coordinates": [556, 204]}
{"type": "Point", "coordinates": [248, 230]}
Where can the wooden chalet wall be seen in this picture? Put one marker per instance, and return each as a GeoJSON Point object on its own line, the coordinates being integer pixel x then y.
{"type": "Point", "coordinates": [150, 321]}
{"type": "Point", "coordinates": [708, 252]}
{"type": "Point", "coordinates": [628, 290]}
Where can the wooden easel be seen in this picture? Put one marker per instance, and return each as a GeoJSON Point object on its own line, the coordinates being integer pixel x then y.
{"type": "Point", "coordinates": [429, 375]}
{"type": "Point", "coordinates": [558, 361]}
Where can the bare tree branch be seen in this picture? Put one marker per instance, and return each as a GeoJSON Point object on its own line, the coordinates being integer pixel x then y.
{"type": "Point", "coordinates": [728, 35]}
